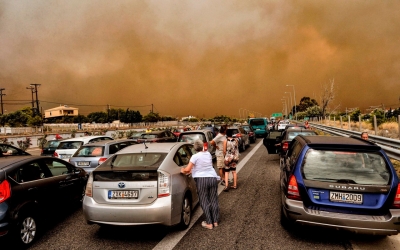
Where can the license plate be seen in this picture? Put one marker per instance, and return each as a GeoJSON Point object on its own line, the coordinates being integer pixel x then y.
{"type": "Point", "coordinates": [65, 156]}
{"type": "Point", "coordinates": [83, 163]}
{"type": "Point", "coordinates": [346, 197]}
{"type": "Point", "coordinates": [257, 129]}
{"type": "Point", "coordinates": [127, 194]}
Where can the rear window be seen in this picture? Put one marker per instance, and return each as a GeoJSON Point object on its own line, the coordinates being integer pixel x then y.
{"type": "Point", "coordinates": [292, 135]}
{"type": "Point", "coordinates": [126, 176]}
{"type": "Point", "coordinates": [51, 144]}
{"type": "Point", "coordinates": [346, 167]}
{"type": "Point", "coordinates": [191, 137]}
{"type": "Point", "coordinates": [136, 160]}
{"type": "Point", "coordinates": [90, 151]}
{"type": "Point", "coordinates": [256, 122]}
{"type": "Point", "coordinates": [234, 131]}
{"type": "Point", "coordinates": [70, 145]}
{"type": "Point", "coordinates": [149, 136]}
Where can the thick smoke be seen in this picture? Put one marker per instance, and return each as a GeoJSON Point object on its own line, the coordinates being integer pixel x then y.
{"type": "Point", "coordinates": [198, 58]}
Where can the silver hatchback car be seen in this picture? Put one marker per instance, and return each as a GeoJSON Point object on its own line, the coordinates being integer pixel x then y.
{"type": "Point", "coordinates": [142, 184]}
{"type": "Point", "coordinates": [91, 155]}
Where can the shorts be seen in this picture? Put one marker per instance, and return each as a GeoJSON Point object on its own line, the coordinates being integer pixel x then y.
{"type": "Point", "coordinates": [220, 161]}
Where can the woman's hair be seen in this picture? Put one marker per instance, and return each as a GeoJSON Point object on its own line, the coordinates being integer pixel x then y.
{"type": "Point", "coordinates": [223, 129]}
{"type": "Point", "coordinates": [198, 145]}
{"type": "Point", "coordinates": [229, 132]}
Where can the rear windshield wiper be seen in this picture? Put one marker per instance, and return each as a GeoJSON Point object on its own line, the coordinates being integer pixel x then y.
{"type": "Point", "coordinates": [346, 181]}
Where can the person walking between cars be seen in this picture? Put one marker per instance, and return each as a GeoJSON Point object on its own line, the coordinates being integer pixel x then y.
{"type": "Point", "coordinates": [231, 152]}
{"type": "Point", "coordinates": [201, 167]}
{"type": "Point", "coordinates": [218, 143]}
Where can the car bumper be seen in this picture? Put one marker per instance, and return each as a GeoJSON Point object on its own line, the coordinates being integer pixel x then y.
{"type": "Point", "coordinates": [158, 212]}
{"type": "Point", "coordinates": [4, 224]}
{"type": "Point", "coordinates": [365, 224]}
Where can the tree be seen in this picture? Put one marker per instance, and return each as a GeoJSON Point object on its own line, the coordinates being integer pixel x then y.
{"type": "Point", "coordinates": [328, 95]}
{"type": "Point", "coordinates": [305, 103]}
{"type": "Point", "coordinates": [355, 114]}
{"type": "Point", "coordinates": [313, 111]}
{"type": "Point", "coordinates": [152, 117]}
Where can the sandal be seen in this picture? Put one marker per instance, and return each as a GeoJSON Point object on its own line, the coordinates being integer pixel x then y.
{"type": "Point", "coordinates": [205, 225]}
{"type": "Point", "coordinates": [226, 189]}
{"type": "Point", "coordinates": [234, 187]}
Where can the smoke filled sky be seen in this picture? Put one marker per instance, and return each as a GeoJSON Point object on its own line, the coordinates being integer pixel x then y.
{"type": "Point", "coordinates": [199, 58]}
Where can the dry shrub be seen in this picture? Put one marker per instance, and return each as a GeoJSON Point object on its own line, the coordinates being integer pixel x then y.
{"type": "Point", "coordinates": [396, 165]}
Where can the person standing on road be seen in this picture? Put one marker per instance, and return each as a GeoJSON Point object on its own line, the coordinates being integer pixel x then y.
{"type": "Point", "coordinates": [218, 143]}
{"type": "Point", "coordinates": [148, 130]}
{"type": "Point", "coordinates": [206, 179]}
{"type": "Point", "coordinates": [231, 152]}
{"type": "Point", "coordinates": [364, 135]}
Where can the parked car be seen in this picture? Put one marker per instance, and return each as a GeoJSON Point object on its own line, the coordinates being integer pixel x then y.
{"type": "Point", "coordinates": [177, 131]}
{"type": "Point", "coordinates": [31, 187]}
{"type": "Point", "coordinates": [9, 150]}
{"type": "Point", "coordinates": [250, 132]}
{"type": "Point", "coordinates": [142, 184]}
{"type": "Point", "coordinates": [91, 155]}
{"type": "Point", "coordinates": [49, 147]}
{"type": "Point", "coordinates": [283, 141]}
{"type": "Point", "coordinates": [157, 136]}
{"type": "Point", "coordinates": [68, 147]}
{"type": "Point", "coordinates": [341, 183]}
{"type": "Point", "coordinates": [260, 126]}
{"type": "Point", "coordinates": [136, 136]}
{"type": "Point", "coordinates": [213, 129]}
{"type": "Point", "coordinates": [295, 126]}
{"type": "Point", "coordinates": [241, 134]}
{"type": "Point", "coordinates": [205, 135]}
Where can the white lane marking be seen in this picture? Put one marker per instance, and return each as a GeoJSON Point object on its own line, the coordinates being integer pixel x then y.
{"type": "Point", "coordinates": [172, 239]}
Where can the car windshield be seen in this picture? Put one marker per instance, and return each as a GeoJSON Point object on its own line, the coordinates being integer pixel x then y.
{"type": "Point", "coordinates": [70, 145]}
{"type": "Point", "coordinates": [191, 137]}
{"type": "Point", "coordinates": [364, 168]}
{"type": "Point", "coordinates": [149, 136]}
{"type": "Point", "coordinates": [51, 144]}
{"type": "Point", "coordinates": [256, 122]}
{"type": "Point", "coordinates": [90, 151]}
{"type": "Point", "coordinates": [292, 135]}
{"type": "Point", "coordinates": [136, 160]}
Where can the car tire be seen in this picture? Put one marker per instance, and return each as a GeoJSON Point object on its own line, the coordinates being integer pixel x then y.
{"type": "Point", "coordinates": [186, 213]}
{"type": "Point", "coordinates": [285, 222]}
{"type": "Point", "coordinates": [26, 230]}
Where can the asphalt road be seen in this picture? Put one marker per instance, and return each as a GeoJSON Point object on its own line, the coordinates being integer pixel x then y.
{"type": "Point", "coordinates": [249, 220]}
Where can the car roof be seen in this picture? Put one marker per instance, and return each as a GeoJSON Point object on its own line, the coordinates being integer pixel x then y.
{"type": "Point", "coordinates": [110, 142]}
{"type": "Point", "coordinates": [338, 142]}
{"type": "Point", "coordinates": [151, 147]}
{"type": "Point", "coordinates": [82, 138]}
{"type": "Point", "coordinates": [154, 132]}
{"type": "Point", "coordinates": [7, 161]}
{"type": "Point", "coordinates": [195, 131]}
{"type": "Point", "coordinates": [300, 130]}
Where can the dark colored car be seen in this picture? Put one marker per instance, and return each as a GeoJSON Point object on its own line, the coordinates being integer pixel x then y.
{"type": "Point", "coordinates": [91, 155]}
{"type": "Point", "coordinates": [9, 150]}
{"type": "Point", "coordinates": [157, 136]}
{"type": "Point", "coordinates": [250, 132]}
{"type": "Point", "coordinates": [50, 147]}
{"type": "Point", "coordinates": [341, 183]}
{"type": "Point", "coordinates": [136, 136]}
{"type": "Point", "coordinates": [205, 135]}
{"type": "Point", "coordinates": [178, 131]}
{"type": "Point", "coordinates": [31, 189]}
{"type": "Point", "coordinates": [241, 134]}
{"type": "Point", "coordinates": [287, 136]}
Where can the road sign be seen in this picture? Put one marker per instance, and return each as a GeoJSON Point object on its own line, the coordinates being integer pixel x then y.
{"type": "Point", "coordinates": [277, 115]}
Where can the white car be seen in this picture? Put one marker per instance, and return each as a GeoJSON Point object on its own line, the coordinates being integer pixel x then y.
{"type": "Point", "coordinates": [68, 147]}
{"type": "Point", "coordinates": [282, 125]}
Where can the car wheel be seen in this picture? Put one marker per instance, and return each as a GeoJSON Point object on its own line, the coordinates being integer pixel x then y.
{"type": "Point", "coordinates": [186, 214]}
{"type": "Point", "coordinates": [26, 230]}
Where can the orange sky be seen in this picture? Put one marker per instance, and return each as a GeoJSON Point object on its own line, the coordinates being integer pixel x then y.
{"type": "Point", "coordinates": [198, 58]}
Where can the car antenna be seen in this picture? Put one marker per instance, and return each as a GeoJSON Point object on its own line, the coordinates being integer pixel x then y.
{"type": "Point", "coordinates": [145, 146]}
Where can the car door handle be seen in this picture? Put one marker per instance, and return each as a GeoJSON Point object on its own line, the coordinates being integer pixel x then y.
{"type": "Point", "coordinates": [32, 189]}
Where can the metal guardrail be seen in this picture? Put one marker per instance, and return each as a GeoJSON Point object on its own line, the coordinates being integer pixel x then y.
{"type": "Point", "coordinates": [391, 146]}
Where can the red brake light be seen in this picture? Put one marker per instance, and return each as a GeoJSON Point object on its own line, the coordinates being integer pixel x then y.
{"type": "Point", "coordinates": [238, 135]}
{"type": "Point", "coordinates": [205, 146]}
{"type": "Point", "coordinates": [101, 160]}
{"type": "Point", "coordinates": [285, 146]}
{"type": "Point", "coordinates": [293, 189]}
{"type": "Point", "coordinates": [396, 202]}
{"type": "Point", "coordinates": [5, 191]}
{"type": "Point", "coordinates": [55, 154]}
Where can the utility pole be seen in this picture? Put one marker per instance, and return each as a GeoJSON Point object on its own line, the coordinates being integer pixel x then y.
{"type": "Point", "coordinates": [33, 103]}
{"type": "Point", "coordinates": [152, 108]}
{"type": "Point", "coordinates": [37, 100]}
{"type": "Point", "coordinates": [1, 98]}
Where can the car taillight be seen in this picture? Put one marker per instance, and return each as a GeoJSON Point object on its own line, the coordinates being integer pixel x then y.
{"type": "Point", "coordinates": [55, 154]}
{"type": "Point", "coordinates": [205, 146]}
{"type": "Point", "coordinates": [238, 135]}
{"type": "Point", "coordinates": [293, 189]}
{"type": "Point", "coordinates": [5, 190]}
{"type": "Point", "coordinates": [163, 184]}
{"type": "Point", "coordinates": [396, 202]}
{"type": "Point", "coordinates": [285, 146]}
{"type": "Point", "coordinates": [89, 186]}
{"type": "Point", "coordinates": [101, 160]}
